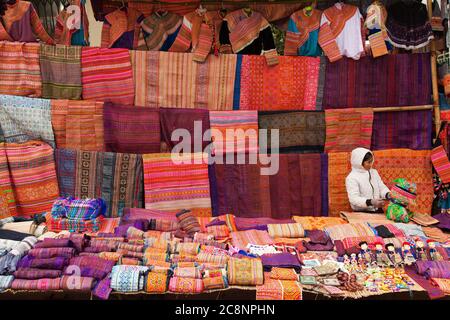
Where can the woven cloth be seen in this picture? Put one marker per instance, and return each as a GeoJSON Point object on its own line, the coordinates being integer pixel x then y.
{"type": "Point", "coordinates": [20, 72]}
{"type": "Point", "coordinates": [188, 272]}
{"type": "Point", "coordinates": [318, 223]}
{"type": "Point", "coordinates": [441, 163]}
{"type": "Point", "coordinates": [107, 75]}
{"type": "Point", "coordinates": [126, 278]}
{"type": "Point", "coordinates": [286, 230]}
{"type": "Point", "coordinates": [45, 284]}
{"type": "Point", "coordinates": [348, 129]}
{"type": "Point", "coordinates": [156, 282]}
{"type": "Point", "coordinates": [34, 273]}
{"type": "Point", "coordinates": [114, 177]}
{"type": "Point", "coordinates": [338, 168]}
{"type": "Point", "coordinates": [62, 224]}
{"type": "Point", "coordinates": [78, 125]}
{"type": "Point", "coordinates": [171, 186]}
{"type": "Point", "coordinates": [292, 84]}
{"type": "Point", "coordinates": [245, 272]}
{"type": "Point", "coordinates": [78, 209]}
{"type": "Point", "coordinates": [225, 126]}
{"type": "Point", "coordinates": [240, 239]}
{"type": "Point", "coordinates": [340, 232]}
{"type": "Point", "coordinates": [279, 290]}
{"type": "Point", "coordinates": [33, 176]}
{"type": "Point", "coordinates": [23, 119]}
{"type": "Point", "coordinates": [390, 80]}
{"type": "Point", "coordinates": [443, 284]}
{"type": "Point", "coordinates": [83, 284]}
{"type": "Point", "coordinates": [174, 80]}
{"type": "Point", "coordinates": [61, 72]}
{"type": "Point", "coordinates": [51, 252]}
{"type": "Point", "coordinates": [186, 285]}
{"type": "Point", "coordinates": [131, 129]}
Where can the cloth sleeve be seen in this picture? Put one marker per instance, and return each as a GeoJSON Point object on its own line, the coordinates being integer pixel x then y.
{"type": "Point", "coordinates": [224, 38]}
{"type": "Point", "coordinates": [353, 193]}
{"type": "Point", "coordinates": [384, 190]}
{"type": "Point", "coordinates": [292, 41]}
{"type": "Point", "coordinates": [269, 49]}
{"type": "Point", "coordinates": [183, 40]}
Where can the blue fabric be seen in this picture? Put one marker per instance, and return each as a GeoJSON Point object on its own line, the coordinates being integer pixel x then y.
{"type": "Point", "coordinates": [170, 40]}
{"type": "Point", "coordinates": [311, 46]}
{"type": "Point", "coordinates": [388, 44]}
{"type": "Point", "coordinates": [237, 83]}
{"type": "Point", "coordinates": [78, 37]}
{"type": "Point", "coordinates": [443, 103]}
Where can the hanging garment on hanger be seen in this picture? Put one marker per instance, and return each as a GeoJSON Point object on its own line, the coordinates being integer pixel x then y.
{"type": "Point", "coordinates": [121, 29]}
{"type": "Point", "coordinates": [376, 16]}
{"type": "Point", "coordinates": [21, 23]}
{"type": "Point", "coordinates": [303, 34]}
{"type": "Point", "coordinates": [159, 31]}
{"type": "Point", "coordinates": [408, 26]}
{"type": "Point", "coordinates": [340, 32]}
{"type": "Point", "coordinates": [249, 34]}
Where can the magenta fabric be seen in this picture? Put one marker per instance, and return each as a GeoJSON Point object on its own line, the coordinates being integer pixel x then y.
{"type": "Point", "coordinates": [53, 243]}
{"type": "Point", "coordinates": [243, 224]}
{"type": "Point", "coordinates": [282, 260]}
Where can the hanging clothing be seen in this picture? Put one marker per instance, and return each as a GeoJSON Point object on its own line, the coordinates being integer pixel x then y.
{"type": "Point", "coordinates": [66, 35]}
{"type": "Point", "coordinates": [158, 31]}
{"type": "Point", "coordinates": [21, 23]}
{"type": "Point", "coordinates": [341, 32]}
{"type": "Point", "coordinates": [408, 26]}
{"type": "Point", "coordinates": [249, 34]}
{"type": "Point", "coordinates": [375, 22]}
{"type": "Point", "coordinates": [302, 35]}
{"type": "Point", "coordinates": [199, 33]}
{"type": "Point", "coordinates": [121, 29]}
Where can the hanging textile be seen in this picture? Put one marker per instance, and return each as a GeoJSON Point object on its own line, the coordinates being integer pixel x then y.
{"type": "Point", "coordinates": [303, 34]}
{"type": "Point", "coordinates": [402, 129]}
{"type": "Point", "coordinates": [392, 80]}
{"type": "Point", "coordinates": [106, 75]}
{"type": "Point", "coordinates": [131, 129]}
{"type": "Point", "coordinates": [21, 23]}
{"type": "Point", "coordinates": [158, 31]}
{"type": "Point", "coordinates": [375, 22]}
{"type": "Point", "coordinates": [23, 119]}
{"type": "Point", "coordinates": [78, 125]}
{"type": "Point", "coordinates": [121, 29]}
{"type": "Point", "coordinates": [414, 166]}
{"type": "Point", "coordinates": [61, 72]}
{"type": "Point", "coordinates": [292, 84]}
{"type": "Point", "coordinates": [175, 118]}
{"type": "Point", "coordinates": [33, 176]}
{"type": "Point", "coordinates": [232, 121]}
{"type": "Point", "coordinates": [244, 192]}
{"type": "Point", "coordinates": [173, 186]}
{"type": "Point", "coordinates": [341, 33]}
{"type": "Point", "coordinates": [408, 25]}
{"type": "Point", "coordinates": [299, 131]}
{"type": "Point", "coordinates": [114, 177]}
{"type": "Point", "coordinates": [20, 73]}
{"type": "Point", "coordinates": [347, 129]}
{"type": "Point", "coordinates": [66, 32]}
{"type": "Point", "coordinates": [173, 80]}
{"type": "Point", "coordinates": [338, 168]}
{"type": "Point", "coordinates": [7, 199]}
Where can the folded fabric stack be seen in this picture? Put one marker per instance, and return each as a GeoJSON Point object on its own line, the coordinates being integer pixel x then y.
{"type": "Point", "coordinates": [76, 215]}
{"type": "Point", "coordinates": [13, 252]}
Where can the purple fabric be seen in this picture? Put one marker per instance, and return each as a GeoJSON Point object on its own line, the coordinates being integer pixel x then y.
{"type": "Point", "coordinates": [402, 129]}
{"type": "Point", "coordinates": [433, 269]}
{"type": "Point", "coordinates": [91, 266]}
{"type": "Point", "coordinates": [318, 236]}
{"type": "Point", "coordinates": [34, 273]}
{"type": "Point", "coordinates": [444, 221]}
{"type": "Point", "coordinates": [257, 223]}
{"type": "Point", "coordinates": [79, 240]}
{"type": "Point", "coordinates": [318, 246]}
{"type": "Point", "coordinates": [282, 260]}
{"type": "Point", "coordinates": [324, 182]}
{"type": "Point", "coordinates": [216, 222]}
{"type": "Point", "coordinates": [106, 235]}
{"type": "Point", "coordinates": [21, 30]}
{"type": "Point", "coordinates": [103, 289]}
{"type": "Point", "coordinates": [53, 243]}
{"type": "Point", "coordinates": [433, 291]}
{"type": "Point", "coordinates": [131, 214]}
{"type": "Point", "coordinates": [57, 263]}
{"type": "Point", "coordinates": [121, 231]}
{"type": "Point", "coordinates": [52, 252]}
{"type": "Point", "coordinates": [98, 249]}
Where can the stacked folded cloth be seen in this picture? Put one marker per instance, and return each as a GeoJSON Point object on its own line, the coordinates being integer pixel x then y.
{"type": "Point", "coordinates": [76, 215]}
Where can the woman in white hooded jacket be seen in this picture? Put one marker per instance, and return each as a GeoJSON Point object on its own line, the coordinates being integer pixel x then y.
{"type": "Point", "coordinates": [366, 191]}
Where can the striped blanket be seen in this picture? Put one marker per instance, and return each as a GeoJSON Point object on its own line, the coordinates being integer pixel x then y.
{"type": "Point", "coordinates": [240, 239]}
{"type": "Point", "coordinates": [7, 199]}
{"type": "Point", "coordinates": [33, 176]}
{"type": "Point", "coordinates": [78, 125]}
{"type": "Point", "coordinates": [340, 232]}
{"type": "Point", "coordinates": [23, 119]}
{"type": "Point", "coordinates": [174, 80]}
{"type": "Point", "coordinates": [114, 177]}
{"type": "Point", "coordinates": [225, 134]}
{"type": "Point", "coordinates": [20, 73]}
{"type": "Point", "coordinates": [292, 84]}
{"type": "Point", "coordinates": [338, 168]}
{"type": "Point", "coordinates": [172, 186]}
{"type": "Point", "coordinates": [106, 75]}
{"type": "Point", "coordinates": [348, 129]}
{"type": "Point", "coordinates": [61, 72]}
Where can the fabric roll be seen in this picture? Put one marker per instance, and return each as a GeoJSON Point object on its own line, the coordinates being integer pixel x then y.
{"type": "Point", "coordinates": [77, 283]}
{"type": "Point", "coordinates": [188, 272]}
{"type": "Point", "coordinates": [128, 278]}
{"type": "Point", "coordinates": [245, 272]}
{"type": "Point", "coordinates": [57, 263]}
{"type": "Point", "coordinates": [186, 285]}
{"type": "Point", "coordinates": [43, 253]}
{"type": "Point", "coordinates": [288, 230]}
{"type": "Point", "coordinates": [34, 273]}
{"type": "Point", "coordinates": [156, 282]}
{"type": "Point", "coordinates": [215, 283]}
{"type": "Point", "coordinates": [5, 282]}
{"type": "Point", "coordinates": [94, 267]}
{"type": "Point", "coordinates": [283, 274]}
{"type": "Point", "coordinates": [44, 284]}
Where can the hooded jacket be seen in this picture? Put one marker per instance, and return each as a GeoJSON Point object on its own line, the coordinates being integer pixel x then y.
{"type": "Point", "coordinates": [363, 184]}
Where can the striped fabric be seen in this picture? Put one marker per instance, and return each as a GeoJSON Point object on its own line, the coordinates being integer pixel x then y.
{"type": "Point", "coordinates": [156, 282]}
{"type": "Point", "coordinates": [340, 232]}
{"type": "Point", "coordinates": [107, 75]}
{"type": "Point", "coordinates": [338, 168]}
{"type": "Point", "coordinates": [283, 274]}
{"type": "Point", "coordinates": [174, 80]}
{"type": "Point", "coordinates": [347, 129]}
{"type": "Point", "coordinates": [279, 290]}
{"type": "Point", "coordinates": [172, 186]}
{"type": "Point", "coordinates": [240, 239]}
{"type": "Point", "coordinates": [78, 125]}
{"type": "Point", "coordinates": [318, 223]}
{"type": "Point", "coordinates": [245, 272]}
{"type": "Point", "coordinates": [188, 272]}
{"type": "Point", "coordinates": [20, 72]}
{"type": "Point", "coordinates": [33, 176]}
{"type": "Point", "coordinates": [23, 119]}
{"type": "Point", "coordinates": [378, 44]}
{"type": "Point", "coordinates": [114, 177]}
{"type": "Point", "coordinates": [443, 284]}
{"type": "Point", "coordinates": [441, 163]}
{"type": "Point", "coordinates": [226, 134]}
{"type": "Point", "coordinates": [63, 224]}
{"type": "Point", "coordinates": [327, 41]}
{"type": "Point", "coordinates": [186, 285]}
{"type": "Point", "coordinates": [61, 72]}
{"type": "Point", "coordinates": [45, 284]}
{"type": "Point", "coordinates": [292, 84]}
{"type": "Point", "coordinates": [77, 283]}
{"type": "Point", "coordinates": [7, 199]}
{"type": "Point", "coordinates": [204, 257]}
{"type": "Point", "coordinates": [286, 230]}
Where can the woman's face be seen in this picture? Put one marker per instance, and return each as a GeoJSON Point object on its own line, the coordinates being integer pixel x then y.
{"type": "Point", "coordinates": [368, 164]}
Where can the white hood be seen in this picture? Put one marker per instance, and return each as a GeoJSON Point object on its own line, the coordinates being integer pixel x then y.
{"type": "Point", "coordinates": [357, 158]}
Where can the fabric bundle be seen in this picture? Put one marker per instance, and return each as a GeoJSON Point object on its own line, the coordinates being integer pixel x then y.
{"type": "Point", "coordinates": [240, 239]}
{"type": "Point", "coordinates": [188, 248]}
{"type": "Point", "coordinates": [340, 232]}
{"type": "Point", "coordinates": [188, 272]}
{"type": "Point", "coordinates": [433, 269]}
{"type": "Point", "coordinates": [78, 209]}
{"type": "Point", "coordinates": [156, 282]}
{"type": "Point", "coordinates": [318, 223]}
{"type": "Point", "coordinates": [34, 273]}
{"type": "Point", "coordinates": [281, 260]}
{"type": "Point", "coordinates": [5, 282]}
{"type": "Point", "coordinates": [215, 283]}
{"type": "Point", "coordinates": [43, 253]}
{"type": "Point", "coordinates": [83, 284]}
{"type": "Point", "coordinates": [63, 224]}
{"type": "Point", "coordinates": [128, 278]}
{"type": "Point", "coordinates": [61, 71]}
{"type": "Point", "coordinates": [186, 285]}
{"type": "Point", "coordinates": [162, 225]}
{"type": "Point", "coordinates": [188, 222]}
{"type": "Point", "coordinates": [45, 284]}
{"type": "Point", "coordinates": [114, 177]}
{"type": "Point", "coordinates": [94, 267]}
{"type": "Point", "coordinates": [204, 257]}
{"type": "Point", "coordinates": [279, 290]}
{"type": "Point", "coordinates": [283, 274]}
{"type": "Point", "coordinates": [23, 119]}
{"type": "Point", "coordinates": [106, 75]}
{"type": "Point", "coordinates": [287, 230]}
{"type": "Point", "coordinates": [403, 193]}
{"type": "Point", "coordinates": [20, 70]}
{"type": "Point", "coordinates": [173, 185]}
{"type": "Point", "coordinates": [56, 263]}
{"type": "Point", "coordinates": [245, 272]}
